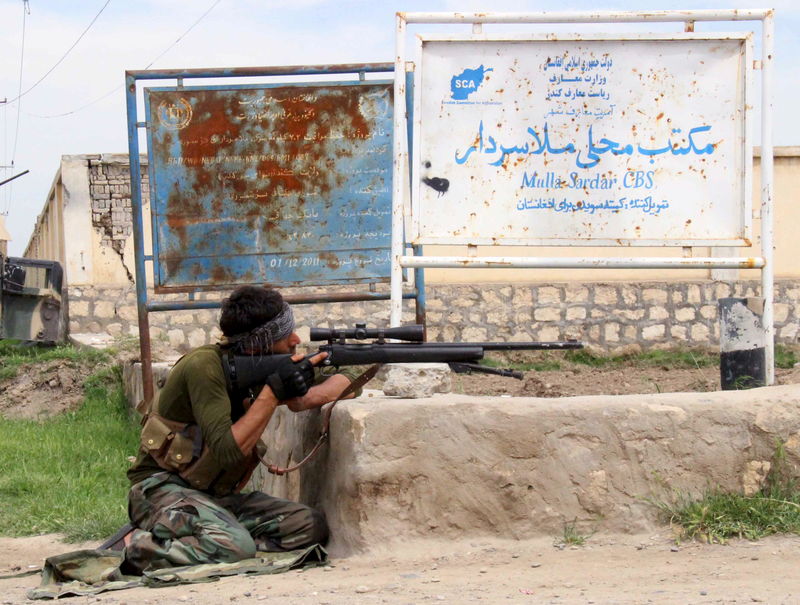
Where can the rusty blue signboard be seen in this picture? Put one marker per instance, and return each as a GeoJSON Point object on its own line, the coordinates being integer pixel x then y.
{"type": "Point", "coordinates": [279, 184]}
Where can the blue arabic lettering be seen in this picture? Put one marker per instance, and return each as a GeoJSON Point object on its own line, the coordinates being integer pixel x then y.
{"type": "Point", "coordinates": [675, 150]}
{"type": "Point", "coordinates": [476, 146]}
{"type": "Point", "coordinates": [557, 62]}
{"type": "Point", "coordinates": [578, 63]}
{"type": "Point", "coordinates": [646, 204]}
{"type": "Point", "coordinates": [593, 153]}
{"type": "Point", "coordinates": [546, 146]}
{"type": "Point", "coordinates": [709, 149]}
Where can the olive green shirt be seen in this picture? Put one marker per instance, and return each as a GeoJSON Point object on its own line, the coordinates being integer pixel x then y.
{"type": "Point", "coordinates": [195, 393]}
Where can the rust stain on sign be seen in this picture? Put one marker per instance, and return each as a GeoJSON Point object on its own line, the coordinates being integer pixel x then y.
{"type": "Point", "coordinates": [287, 184]}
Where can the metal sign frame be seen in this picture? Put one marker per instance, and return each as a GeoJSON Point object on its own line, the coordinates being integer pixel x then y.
{"type": "Point", "coordinates": [145, 304]}
{"type": "Point", "coordinates": [295, 252]}
{"type": "Point", "coordinates": [401, 196]}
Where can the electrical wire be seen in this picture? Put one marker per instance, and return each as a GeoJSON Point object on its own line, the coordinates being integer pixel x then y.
{"type": "Point", "coordinates": [116, 88]}
{"type": "Point", "coordinates": [26, 9]}
{"type": "Point", "coordinates": [6, 200]}
{"type": "Point", "coordinates": [64, 56]}
{"type": "Point", "coordinates": [179, 38]}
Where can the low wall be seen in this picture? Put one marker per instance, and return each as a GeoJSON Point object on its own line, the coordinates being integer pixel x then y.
{"type": "Point", "coordinates": [455, 466]}
{"type": "Point", "coordinates": [609, 316]}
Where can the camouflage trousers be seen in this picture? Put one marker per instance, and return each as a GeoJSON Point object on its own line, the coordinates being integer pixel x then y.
{"type": "Point", "coordinates": [178, 525]}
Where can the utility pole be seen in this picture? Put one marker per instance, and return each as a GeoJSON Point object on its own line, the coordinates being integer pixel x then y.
{"type": "Point", "coordinates": [4, 167]}
{"type": "Point", "coordinates": [2, 214]}
{"type": "Point", "coordinates": [3, 102]}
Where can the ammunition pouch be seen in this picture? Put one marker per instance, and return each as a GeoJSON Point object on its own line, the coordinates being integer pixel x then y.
{"type": "Point", "coordinates": [173, 445]}
{"type": "Point", "coordinates": [178, 447]}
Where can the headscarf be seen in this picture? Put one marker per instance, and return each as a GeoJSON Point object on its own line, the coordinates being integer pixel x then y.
{"type": "Point", "coordinates": [261, 338]}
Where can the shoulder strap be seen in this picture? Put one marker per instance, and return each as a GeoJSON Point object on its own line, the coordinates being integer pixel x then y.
{"type": "Point", "coordinates": [359, 382]}
{"type": "Point", "coordinates": [146, 406]}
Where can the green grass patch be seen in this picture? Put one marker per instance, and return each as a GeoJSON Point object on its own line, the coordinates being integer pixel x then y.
{"type": "Point", "coordinates": [719, 515]}
{"type": "Point", "coordinates": [553, 361]}
{"type": "Point", "coordinates": [13, 355]}
{"type": "Point", "coordinates": [542, 365]}
{"type": "Point", "coordinates": [785, 357]}
{"type": "Point", "coordinates": [669, 359]}
{"type": "Point", "coordinates": [571, 536]}
{"type": "Point", "coordinates": [67, 474]}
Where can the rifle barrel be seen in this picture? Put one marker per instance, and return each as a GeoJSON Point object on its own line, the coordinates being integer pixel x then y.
{"type": "Point", "coordinates": [516, 346]}
{"type": "Point", "coordinates": [362, 354]}
{"type": "Point", "coordinates": [428, 352]}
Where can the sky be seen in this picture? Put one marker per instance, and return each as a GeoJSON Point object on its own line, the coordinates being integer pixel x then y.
{"type": "Point", "coordinates": [71, 71]}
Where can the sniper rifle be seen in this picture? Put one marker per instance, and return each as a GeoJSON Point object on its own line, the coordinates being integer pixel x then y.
{"type": "Point", "coordinates": [245, 371]}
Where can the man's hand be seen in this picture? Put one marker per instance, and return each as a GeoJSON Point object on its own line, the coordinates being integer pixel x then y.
{"type": "Point", "coordinates": [294, 377]}
{"type": "Point", "coordinates": [320, 394]}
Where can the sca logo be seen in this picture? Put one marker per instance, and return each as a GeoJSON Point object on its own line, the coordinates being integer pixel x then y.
{"type": "Point", "coordinates": [467, 82]}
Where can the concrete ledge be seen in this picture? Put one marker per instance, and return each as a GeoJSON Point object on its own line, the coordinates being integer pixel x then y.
{"type": "Point", "coordinates": [91, 340]}
{"type": "Point", "coordinates": [455, 466]}
{"type": "Point", "coordinates": [134, 385]}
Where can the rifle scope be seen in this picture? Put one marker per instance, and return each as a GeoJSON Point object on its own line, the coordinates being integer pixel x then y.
{"type": "Point", "coordinates": [412, 333]}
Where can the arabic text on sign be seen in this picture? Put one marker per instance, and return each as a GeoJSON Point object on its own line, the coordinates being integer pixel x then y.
{"type": "Point", "coordinates": [485, 144]}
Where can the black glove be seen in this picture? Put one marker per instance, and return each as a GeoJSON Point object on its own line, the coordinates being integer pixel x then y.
{"type": "Point", "coordinates": [291, 379]}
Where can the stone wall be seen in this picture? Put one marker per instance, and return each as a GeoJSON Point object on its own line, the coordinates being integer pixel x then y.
{"type": "Point", "coordinates": [610, 316]}
{"type": "Point", "coordinates": [110, 193]}
{"type": "Point", "coordinates": [112, 208]}
{"type": "Point", "coordinates": [457, 467]}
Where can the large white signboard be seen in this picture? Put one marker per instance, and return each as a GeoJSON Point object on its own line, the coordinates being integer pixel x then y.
{"type": "Point", "coordinates": [582, 140]}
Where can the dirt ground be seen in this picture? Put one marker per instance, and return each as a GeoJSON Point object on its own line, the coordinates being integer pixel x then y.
{"type": "Point", "coordinates": [42, 390]}
{"type": "Point", "coordinates": [607, 569]}
{"type": "Point", "coordinates": [577, 380]}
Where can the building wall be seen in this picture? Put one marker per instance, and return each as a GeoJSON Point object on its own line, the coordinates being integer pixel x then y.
{"type": "Point", "coordinates": [610, 316]}
{"type": "Point", "coordinates": [4, 236]}
{"type": "Point", "coordinates": [90, 203]}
